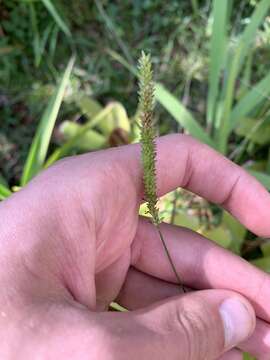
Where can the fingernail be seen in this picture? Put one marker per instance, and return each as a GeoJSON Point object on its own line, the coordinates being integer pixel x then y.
{"type": "Point", "coordinates": [238, 320]}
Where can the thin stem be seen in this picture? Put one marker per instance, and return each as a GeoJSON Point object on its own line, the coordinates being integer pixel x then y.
{"type": "Point", "coordinates": [170, 258]}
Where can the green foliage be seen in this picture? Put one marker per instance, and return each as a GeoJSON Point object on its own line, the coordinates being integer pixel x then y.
{"type": "Point", "coordinates": [224, 112]}
{"type": "Point", "coordinates": [4, 190]}
{"type": "Point", "coordinates": [57, 18]}
{"type": "Point", "coordinates": [182, 115]}
{"type": "Point", "coordinates": [40, 144]}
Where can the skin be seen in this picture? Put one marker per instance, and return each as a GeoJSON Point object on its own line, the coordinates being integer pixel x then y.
{"type": "Point", "coordinates": [71, 242]}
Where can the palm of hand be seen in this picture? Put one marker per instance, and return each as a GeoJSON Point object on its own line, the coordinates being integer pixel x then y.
{"type": "Point", "coordinates": [88, 236]}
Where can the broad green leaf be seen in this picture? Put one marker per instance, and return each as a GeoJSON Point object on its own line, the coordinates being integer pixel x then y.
{"type": "Point", "coordinates": [253, 98]}
{"type": "Point", "coordinates": [217, 54]}
{"type": "Point", "coordinates": [91, 140]}
{"type": "Point", "coordinates": [220, 234]}
{"type": "Point", "coordinates": [254, 130]}
{"type": "Point", "coordinates": [115, 118]}
{"type": "Point", "coordinates": [4, 192]}
{"type": "Point", "coordinates": [186, 220]}
{"type": "Point", "coordinates": [246, 356]}
{"type": "Point", "coordinates": [57, 18]}
{"type": "Point", "coordinates": [181, 114]}
{"type": "Point", "coordinates": [66, 148]}
{"type": "Point", "coordinates": [89, 107]}
{"type": "Point", "coordinates": [262, 177]}
{"type": "Point", "coordinates": [262, 263]}
{"type": "Point", "coordinates": [237, 230]}
{"type": "Point", "coordinates": [265, 249]}
{"type": "Point", "coordinates": [40, 144]}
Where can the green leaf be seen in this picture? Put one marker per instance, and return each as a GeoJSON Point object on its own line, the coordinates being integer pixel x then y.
{"type": "Point", "coordinates": [250, 31]}
{"type": "Point", "coordinates": [113, 31]}
{"type": "Point", "coordinates": [262, 177]}
{"type": "Point", "coordinates": [89, 107]}
{"type": "Point", "coordinates": [255, 130]}
{"type": "Point", "coordinates": [220, 234]}
{"type": "Point", "coordinates": [91, 140]}
{"type": "Point", "coordinates": [223, 130]}
{"type": "Point", "coordinates": [240, 50]}
{"type": "Point", "coordinates": [116, 118]}
{"type": "Point", "coordinates": [262, 263]}
{"type": "Point", "coordinates": [117, 57]}
{"type": "Point", "coordinates": [237, 230]}
{"type": "Point", "coordinates": [248, 357]}
{"type": "Point", "coordinates": [265, 249]}
{"type": "Point", "coordinates": [4, 192]}
{"type": "Point", "coordinates": [57, 18]}
{"type": "Point", "coordinates": [182, 218]}
{"type": "Point", "coordinates": [3, 181]}
{"type": "Point", "coordinates": [181, 114]}
{"type": "Point", "coordinates": [38, 150]}
{"type": "Point", "coordinates": [66, 148]}
{"type": "Point", "coordinates": [217, 54]}
{"type": "Point", "coordinates": [253, 98]}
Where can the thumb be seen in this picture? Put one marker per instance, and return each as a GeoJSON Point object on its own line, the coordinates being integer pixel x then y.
{"type": "Point", "coordinates": [199, 325]}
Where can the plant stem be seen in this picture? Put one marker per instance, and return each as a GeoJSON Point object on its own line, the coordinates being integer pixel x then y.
{"type": "Point", "coordinates": [170, 258]}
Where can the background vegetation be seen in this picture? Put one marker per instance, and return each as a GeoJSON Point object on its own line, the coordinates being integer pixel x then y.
{"type": "Point", "coordinates": [68, 85]}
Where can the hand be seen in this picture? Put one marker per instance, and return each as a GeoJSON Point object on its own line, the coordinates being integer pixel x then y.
{"type": "Point", "coordinates": [71, 242]}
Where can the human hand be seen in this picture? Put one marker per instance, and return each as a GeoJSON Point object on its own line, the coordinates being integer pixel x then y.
{"type": "Point", "coordinates": [71, 242]}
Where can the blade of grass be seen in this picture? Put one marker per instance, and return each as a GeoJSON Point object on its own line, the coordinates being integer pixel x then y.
{"type": "Point", "coordinates": [36, 40]}
{"type": "Point", "coordinates": [122, 61]}
{"type": "Point", "coordinates": [250, 31]}
{"type": "Point", "coordinates": [53, 42]}
{"type": "Point", "coordinates": [4, 192]}
{"type": "Point", "coordinates": [245, 84]}
{"type": "Point", "coordinates": [195, 7]}
{"type": "Point", "coordinates": [253, 97]}
{"type": "Point", "coordinates": [181, 114]}
{"type": "Point", "coordinates": [222, 132]}
{"type": "Point", "coordinates": [241, 49]}
{"type": "Point", "coordinates": [57, 18]}
{"type": "Point", "coordinates": [217, 54]}
{"type": "Point", "coordinates": [40, 144]}
{"type": "Point", "coordinates": [3, 181]}
{"type": "Point", "coordinates": [111, 26]}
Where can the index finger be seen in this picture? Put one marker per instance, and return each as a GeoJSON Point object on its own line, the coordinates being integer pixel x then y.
{"type": "Point", "coordinates": [184, 162]}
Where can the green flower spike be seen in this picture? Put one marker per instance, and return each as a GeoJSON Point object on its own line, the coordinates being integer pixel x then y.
{"type": "Point", "coordinates": [148, 146]}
